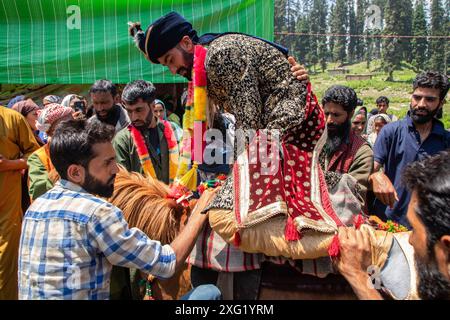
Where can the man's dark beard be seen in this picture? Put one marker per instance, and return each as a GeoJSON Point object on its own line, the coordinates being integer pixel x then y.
{"type": "Point", "coordinates": [432, 284]}
{"type": "Point", "coordinates": [189, 59]}
{"type": "Point", "coordinates": [421, 119]}
{"type": "Point", "coordinates": [112, 116]}
{"type": "Point", "coordinates": [147, 122]}
{"type": "Point", "coordinates": [94, 186]}
{"type": "Point", "coordinates": [336, 134]}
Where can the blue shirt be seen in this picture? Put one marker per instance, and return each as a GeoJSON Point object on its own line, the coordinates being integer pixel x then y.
{"type": "Point", "coordinates": [71, 239]}
{"type": "Point", "coordinates": [397, 145]}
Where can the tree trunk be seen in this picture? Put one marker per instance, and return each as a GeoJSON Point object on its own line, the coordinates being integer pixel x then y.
{"type": "Point", "coordinates": [390, 76]}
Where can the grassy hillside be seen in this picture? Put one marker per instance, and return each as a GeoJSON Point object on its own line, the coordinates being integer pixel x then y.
{"type": "Point", "coordinates": [398, 92]}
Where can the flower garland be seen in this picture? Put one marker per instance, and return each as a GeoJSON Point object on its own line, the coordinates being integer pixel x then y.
{"type": "Point", "coordinates": [144, 157]}
{"type": "Point", "coordinates": [142, 151]}
{"type": "Point", "coordinates": [194, 122]}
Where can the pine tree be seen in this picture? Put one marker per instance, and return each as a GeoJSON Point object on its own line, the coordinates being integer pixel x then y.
{"type": "Point", "coordinates": [302, 43]}
{"type": "Point", "coordinates": [392, 46]}
{"type": "Point", "coordinates": [419, 45]}
{"type": "Point", "coordinates": [369, 48]}
{"type": "Point", "coordinates": [331, 39]}
{"type": "Point", "coordinates": [280, 20]}
{"type": "Point", "coordinates": [292, 12]}
{"type": "Point", "coordinates": [406, 18]}
{"type": "Point", "coordinates": [377, 41]}
{"type": "Point", "coordinates": [322, 40]}
{"type": "Point", "coordinates": [361, 7]}
{"type": "Point", "coordinates": [339, 26]}
{"type": "Point", "coordinates": [352, 30]}
{"type": "Point", "coordinates": [314, 28]}
{"type": "Point", "coordinates": [437, 46]}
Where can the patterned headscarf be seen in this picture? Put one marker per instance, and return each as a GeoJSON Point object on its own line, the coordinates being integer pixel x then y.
{"type": "Point", "coordinates": [25, 107]}
{"type": "Point", "coordinates": [50, 114]}
{"type": "Point", "coordinates": [66, 101]}
{"type": "Point", "coordinates": [52, 99]}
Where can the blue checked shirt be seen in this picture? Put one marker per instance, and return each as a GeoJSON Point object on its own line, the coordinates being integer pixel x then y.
{"type": "Point", "coordinates": [70, 241]}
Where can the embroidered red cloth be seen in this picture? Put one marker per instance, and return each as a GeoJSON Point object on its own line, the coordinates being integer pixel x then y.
{"type": "Point", "coordinates": [294, 185]}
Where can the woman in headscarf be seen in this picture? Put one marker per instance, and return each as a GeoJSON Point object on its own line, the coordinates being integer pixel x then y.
{"type": "Point", "coordinates": [379, 122]}
{"type": "Point", "coordinates": [359, 121]}
{"type": "Point", "coordinates": [15, 100]}
{"type": "Point", "coordinates": [50, 99]}
{"type": "Point", "coordinates": [159, 110]}
{"type": "Point", "coordinates": [29, 110]}
{"type": "Point", "coordinates": [42, 174]}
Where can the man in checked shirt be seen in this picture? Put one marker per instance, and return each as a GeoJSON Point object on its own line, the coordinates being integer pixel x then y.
{"type": "Point", "coordinates": [71, 238]}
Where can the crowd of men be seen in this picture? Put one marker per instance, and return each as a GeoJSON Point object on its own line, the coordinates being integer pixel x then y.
{"type": "Point", "coordinates": [62, 158]}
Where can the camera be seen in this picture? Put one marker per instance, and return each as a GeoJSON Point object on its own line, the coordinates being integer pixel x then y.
{"type": "Point", "coordinates": [80, 106]}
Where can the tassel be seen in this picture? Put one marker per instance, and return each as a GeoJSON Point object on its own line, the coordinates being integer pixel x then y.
{"type": "Point", "coordinates": [358, 221]}
{"type": "Point", "coordinates": [333, 249]}
{"type": "Point", "coordinates": [237, 239]}
{"type": "Point", "coordinates": [290, 232]}
{"type": "Point", "coordinates": [189, 180]}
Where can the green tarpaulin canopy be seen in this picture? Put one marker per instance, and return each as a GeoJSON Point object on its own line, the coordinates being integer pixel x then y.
{"type": "Point", "coordinates": [80, 41]}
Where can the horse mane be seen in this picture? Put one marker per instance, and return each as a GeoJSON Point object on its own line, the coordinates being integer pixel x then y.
{"type": "Point", "coordinates": [145, 205]}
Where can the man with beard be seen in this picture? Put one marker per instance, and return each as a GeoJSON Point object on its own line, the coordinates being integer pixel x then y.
{"type": "Point", "coordinates": [408, 140]}
{"type": "Point", "coordinates": [107, 108]}
{"type": "Point", "coordinates": [71, 238]}
{"type": "Point", "coordinates": [429, 215]}
{"type": "Point", "coordinates": [148, 145]}
{"type": "Point", "coordinates": [344, 151]}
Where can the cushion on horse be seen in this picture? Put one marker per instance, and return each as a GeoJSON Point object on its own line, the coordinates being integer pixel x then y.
{"type": "Point", "coordinates": [268, 238]}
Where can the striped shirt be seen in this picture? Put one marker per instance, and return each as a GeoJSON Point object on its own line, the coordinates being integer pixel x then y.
{"type": "Point", "coordinates": [70, 241]}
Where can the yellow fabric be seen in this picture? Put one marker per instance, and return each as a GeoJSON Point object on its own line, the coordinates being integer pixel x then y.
{"type": "Point", "coordinates": [173, 164]}
{"type": "Point", "coordinates": [200, 101]}
{"type": "Point", "coordinates": [148, 169]}
{"type": "Point", "coordinates": [41, 173]}
{"type": "Point", "coordinates": [189, 180]}
{"type": "Point", "coordinates": [44, 157]}
{"type": "Point", "coordinates": [16, 141]}
{"type": "Point", "coordinates": [268, 238]}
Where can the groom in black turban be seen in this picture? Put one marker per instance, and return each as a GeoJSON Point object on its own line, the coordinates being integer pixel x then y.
{"type": "Point", "coordinates": [166, 33]}
{"type": "Point", "coordinates": [250, 78]}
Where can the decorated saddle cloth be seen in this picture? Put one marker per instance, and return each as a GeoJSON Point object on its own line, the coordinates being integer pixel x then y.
{"type": "Point", "coordinates": [280, 206]}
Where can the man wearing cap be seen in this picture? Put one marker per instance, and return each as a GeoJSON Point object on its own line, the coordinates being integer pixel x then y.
{"type": "Point", "coordinates": [250, 78]}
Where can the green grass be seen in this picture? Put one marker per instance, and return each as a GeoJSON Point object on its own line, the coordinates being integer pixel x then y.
{"type": "Point", "coordinates": [399, 91]}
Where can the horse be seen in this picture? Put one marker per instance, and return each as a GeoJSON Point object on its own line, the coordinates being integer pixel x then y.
{"type": "Point", "coordinates": [147, 206]}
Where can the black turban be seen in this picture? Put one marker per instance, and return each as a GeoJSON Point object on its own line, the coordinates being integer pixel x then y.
{"type": "Point", "coordinates": [165, 34]}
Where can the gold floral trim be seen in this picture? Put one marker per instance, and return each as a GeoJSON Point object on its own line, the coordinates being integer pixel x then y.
{"type": "Point", "coordinates": [265, 213]}
{"type": "Point", "coordinates": [303, 222]}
